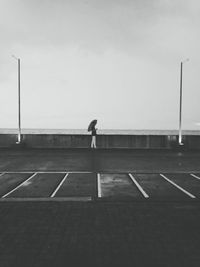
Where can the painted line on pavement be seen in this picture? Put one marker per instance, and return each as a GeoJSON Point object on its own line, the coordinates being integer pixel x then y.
{"type": "Point", "coordinates": [99, 185]}
{"type": "Point", "coordinates": [195, 176]}
{"type": "Point", "coordinates": [2, 173]}
{"type": "Point", "coordinates": [25, 199]}
{"type": "Point", "coordinates": [60, 184]}
{"type": "Point", "coordinates": [179, 187]}
{"type": "Point", "coordinates": [138, 186]}
{"type": "Point", "coordinates": [19, 185]}
{"type": "Point", "coordinates": [9, 172]}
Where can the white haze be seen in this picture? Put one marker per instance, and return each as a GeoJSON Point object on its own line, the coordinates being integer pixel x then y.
{"type": "Point", "coordinates": [117, 61]}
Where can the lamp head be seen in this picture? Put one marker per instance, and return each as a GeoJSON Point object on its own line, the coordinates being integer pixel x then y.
{"type": "Point", "coordinates": [187, 59]}
{"type": "Point", "coordinates": [15, 57]}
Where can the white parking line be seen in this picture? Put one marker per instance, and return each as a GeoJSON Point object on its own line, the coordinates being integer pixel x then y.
{"type": "Point", "coordinates": [195, 176]}
{"type": "Point", "coordinates": [35, 199]}
{"type": "Point", "coordinates": [2, 173]}
{"type": "Point", "coordinates": [60, 184]}
{"type": "Point", "coordinates": [19, 185]}
{"type": "Point", "coordinates": [180, 188]}
{"type": "Point", "coordinates": [138, 186]}
{"type": "Point", "coordinates": [99, 185]}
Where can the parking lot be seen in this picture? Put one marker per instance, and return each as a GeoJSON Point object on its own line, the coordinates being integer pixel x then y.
{"type": "Point", "coordinates": [88, 186]}
{"type": "Point", "coordinates": [99, 175]}
{"type": "Point", "coordinates": [99, 208]}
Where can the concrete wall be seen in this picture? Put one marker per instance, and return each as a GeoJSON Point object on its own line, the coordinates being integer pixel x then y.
{"type": "Point", "coordinates": [103, 141]}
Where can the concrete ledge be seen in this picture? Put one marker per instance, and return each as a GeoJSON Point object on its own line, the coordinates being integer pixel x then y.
{"type": "Point", "coordinates": [103, 141]}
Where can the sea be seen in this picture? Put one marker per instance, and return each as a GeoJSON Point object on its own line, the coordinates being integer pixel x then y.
{"type": "Point", "coordinates": [100, 131]}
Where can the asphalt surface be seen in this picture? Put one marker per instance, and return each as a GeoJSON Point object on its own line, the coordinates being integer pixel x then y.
{"type": "Point", "coordinates": [99, 160]}
{"type": "Point", "coordinates": [123, 232]}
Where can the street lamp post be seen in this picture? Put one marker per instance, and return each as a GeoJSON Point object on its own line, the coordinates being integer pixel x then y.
{"type": "Point", "coordinates": [19, 102]}
{"type": "Point", "coordinates": [180, 107]}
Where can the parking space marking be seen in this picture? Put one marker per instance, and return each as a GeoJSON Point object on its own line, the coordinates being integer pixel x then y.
{"type": "Point", "coordinates": [10, 172]}
{"type": "Point", "coordinates": [179, 187]}
{"type": "Point", "coordinates": [35, 199]}
{"type": "Point", "coordinates": [195, 176]}
{"type": "Point", "coordinates": [19, 185]}
{"type": "Point", "coordinates": [4, 172]}
{"type": "Point", "coordinates": [99, 185]}
{"type": "Point", "coordinates": [60, 184]}
{"type": "Point", "coordinates": [138, 186]}
{"type": "Point", "coordinates": [98, 180]}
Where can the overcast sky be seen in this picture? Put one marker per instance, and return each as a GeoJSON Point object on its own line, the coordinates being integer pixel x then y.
{"type": "Point", "coordinates": [117, 61]}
